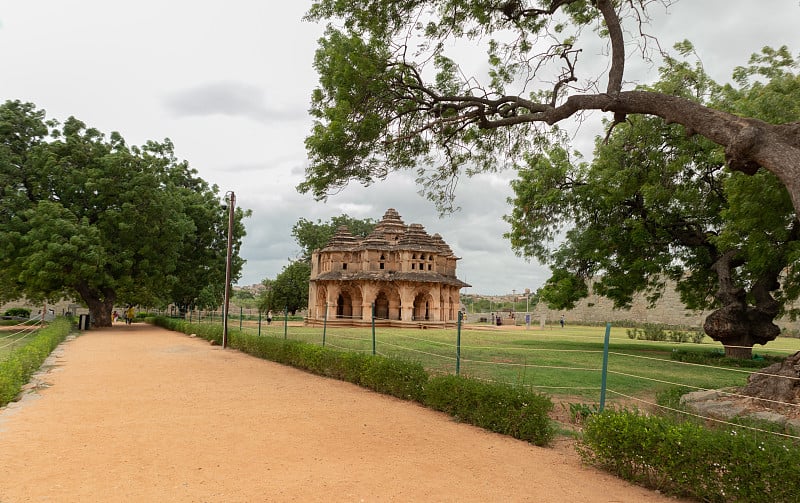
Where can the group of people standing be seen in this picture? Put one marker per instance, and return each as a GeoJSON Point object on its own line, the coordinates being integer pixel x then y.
{"type": "Point", "coordinates": [130, 313]}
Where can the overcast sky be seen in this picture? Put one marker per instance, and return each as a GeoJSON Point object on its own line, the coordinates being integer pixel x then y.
{"type": "Point", "coordinates": [229, 83]}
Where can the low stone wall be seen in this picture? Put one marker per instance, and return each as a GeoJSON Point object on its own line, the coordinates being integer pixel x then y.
{"type": "Point", "coordinates": [596, 309]}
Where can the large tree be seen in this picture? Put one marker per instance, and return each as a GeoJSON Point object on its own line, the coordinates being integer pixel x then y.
{"type": "Point", "coordinates": [656, 204]}
{"type": "Point", "coordinates": [391, 96]}
{"type": "Point", "coordinates": [289, 290]}
{"type": "Point", "coordinates": [89, 217]}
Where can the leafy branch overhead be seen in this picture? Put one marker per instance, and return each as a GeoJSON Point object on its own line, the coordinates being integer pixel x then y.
{"type": "Point", "coordinates": [399, 90]}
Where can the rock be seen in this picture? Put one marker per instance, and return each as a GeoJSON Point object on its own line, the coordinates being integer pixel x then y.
{"type": "Point", "coordinates": [701, 396]}
{"type": "Point", "coordinates": [724, 409]}
{"type": "Point", "coordinates": [778, 382]}
{"type": "Point", "coordinates": [771, 417]}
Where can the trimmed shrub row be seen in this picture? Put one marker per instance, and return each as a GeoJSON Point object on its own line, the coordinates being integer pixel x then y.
{"type": "Point", "coordinates": [683, 458]}
{"type": "Point", "coordinates": [496, 407]}
{"type": "Point", "coordinates": [18, 367]}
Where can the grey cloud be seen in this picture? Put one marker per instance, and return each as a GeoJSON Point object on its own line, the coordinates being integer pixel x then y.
{"type": "Point", "coordinates": [233, 99]}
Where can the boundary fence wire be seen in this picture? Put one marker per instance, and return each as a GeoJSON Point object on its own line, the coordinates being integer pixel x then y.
{"type": "Point", "coordinates": [536, 359]}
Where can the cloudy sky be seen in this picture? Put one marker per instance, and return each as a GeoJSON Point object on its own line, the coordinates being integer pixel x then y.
{"type": "Point", "coordinates": [229, 83]}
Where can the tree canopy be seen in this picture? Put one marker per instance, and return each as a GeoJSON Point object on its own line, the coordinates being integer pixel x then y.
{"type": "Point", "coordinates": [393, 94]}
{"type": "Point", "coordinates": [89, 217]}
{"type": "Point", "coordinates": [655, 204]}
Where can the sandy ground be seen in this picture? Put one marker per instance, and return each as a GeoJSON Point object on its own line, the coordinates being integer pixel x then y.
{"type": "Point", "coordinates": [137, 413]}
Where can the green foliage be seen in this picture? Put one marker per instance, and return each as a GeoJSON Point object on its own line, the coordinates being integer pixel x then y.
{"type": "Point", "coordinates": [87, 216]}
{"type": "Point", "coordinates": [687, 459]}
{"type": "Point", "coordinates": [289, 291]}
{"type": "Point", "coordinates": [580, 412]}
{"type": "Point", "coordinates": [22, 312]}
{"type": "Point", "coordinates": [18, 367]}
{"type": "Point", "coordinates": [496, 407]}
{"type": "Point", "coordinates": [656, 204]}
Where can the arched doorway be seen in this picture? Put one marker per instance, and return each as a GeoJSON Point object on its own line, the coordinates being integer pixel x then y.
{"type": "Point", "coordinates": [382, 306]}
{"type": "Point", "coordinates": [423, 304]}
{"type": "Point", "coordinates": [344, 306]}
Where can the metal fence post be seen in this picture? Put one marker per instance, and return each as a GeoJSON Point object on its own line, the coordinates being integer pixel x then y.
{"type": "Point", "coordinates": [324, 324]}
{"type": "Point", "coordinates": [458, 345]}
{"type": "Point", "coordinates": [373, 328]}
{"type": "Point", "coordinates": [259, 322]}
{"type": "Point", "coordinates": [605, 368]}
{"type": "Point", "coordinates": [285, 320]}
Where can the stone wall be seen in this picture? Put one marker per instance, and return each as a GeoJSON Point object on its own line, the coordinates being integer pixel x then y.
{"type": "Point", "coordinates": [668, 311]}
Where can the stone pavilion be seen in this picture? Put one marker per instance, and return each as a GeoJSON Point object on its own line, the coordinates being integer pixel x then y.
{"type": "Point", "coordinates": [408, 275]}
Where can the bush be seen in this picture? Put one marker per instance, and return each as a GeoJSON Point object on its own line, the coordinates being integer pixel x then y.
{"type": "Point", "coordinates": [21, 312]}
{"type": "Point", "coordinates": [497, 407]}
{"type": "Point", "coordinates": [687, 459]}
{"type": "Point", "coordinates": [21, 363]}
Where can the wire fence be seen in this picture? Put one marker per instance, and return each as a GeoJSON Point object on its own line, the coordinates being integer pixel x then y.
{"type": "Point", "coordinates": [13, 336]}
{"type": "Point", "coordinates": [565, 364]}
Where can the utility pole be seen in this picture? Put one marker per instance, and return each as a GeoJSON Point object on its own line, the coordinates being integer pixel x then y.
{"type": "Point", "coordinates": [231, 205]}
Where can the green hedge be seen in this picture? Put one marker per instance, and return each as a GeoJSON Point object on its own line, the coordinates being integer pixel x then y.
{"type": "Point", "coordinates": [18, 367]}
{"type": "Point", "coordinates": [495, 407]}
{"type": "Point", "coordinates": [683, 458]}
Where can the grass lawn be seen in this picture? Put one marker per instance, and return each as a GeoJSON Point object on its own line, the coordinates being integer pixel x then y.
{"type": "Point", "coordinates": [565, 363]}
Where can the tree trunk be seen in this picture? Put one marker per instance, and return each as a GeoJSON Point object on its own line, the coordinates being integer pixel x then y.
{"type": "Point", "coordinates": [100, 304]}
{"type": "Point", "coordinates": [738, 327]}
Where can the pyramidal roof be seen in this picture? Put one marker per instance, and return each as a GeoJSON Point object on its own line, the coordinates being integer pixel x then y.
{"type": "Point", "coordinates": [342, 240]}
{"type": "Point", "coordinates": [391, 231]}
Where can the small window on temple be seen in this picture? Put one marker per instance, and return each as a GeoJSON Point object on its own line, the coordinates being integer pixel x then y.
{"type": "Point", "coordinates": [422, 257]}
{"type": "Point", "coordinates": [381, 265]}
{"type": "Point", "coordinates": [344, 266]}
{"type": "Point", "coordinates": [413, 265]}
{"type": "Point", "coordinates": [414, 256]}
{"type": "Point", "coordinates": [429, 267]}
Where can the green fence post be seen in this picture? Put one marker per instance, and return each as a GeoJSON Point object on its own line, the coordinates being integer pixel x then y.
{"type": "Point", "coordinates": [605, 368]}
{"type": "Point", "coordinates": [324, 324]}
{"type": "Point", "coordinates": [240, 318]}
{"type": "Point", "coordinates": [458, 346]}
{"type": "Point", "coordinates": [285, 320]}
{"type": "Point", "coordinates": [373, 328]}
{"type": "Point", "coordinates": [259, 322]}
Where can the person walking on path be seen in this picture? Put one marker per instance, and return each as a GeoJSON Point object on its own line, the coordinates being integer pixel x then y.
{"type": "Point", "coordinates": [129, 315]}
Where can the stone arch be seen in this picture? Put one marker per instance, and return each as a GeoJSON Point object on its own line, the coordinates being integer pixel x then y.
{"type": "Point", "coordinates": [423, 306]}
{"type": "Point", "coordinates": [382, 306]}
{"type": "Point", "coordinates": [344, 305]}
{"type": "Point", "coordinates": [348, 303]}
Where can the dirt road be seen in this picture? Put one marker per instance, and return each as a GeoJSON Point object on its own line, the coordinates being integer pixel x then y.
{"type": "Point", "coordinates": [141, 414]}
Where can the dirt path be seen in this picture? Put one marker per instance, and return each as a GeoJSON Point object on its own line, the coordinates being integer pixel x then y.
{"type": "Point", "coordinates": [137, 413]}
